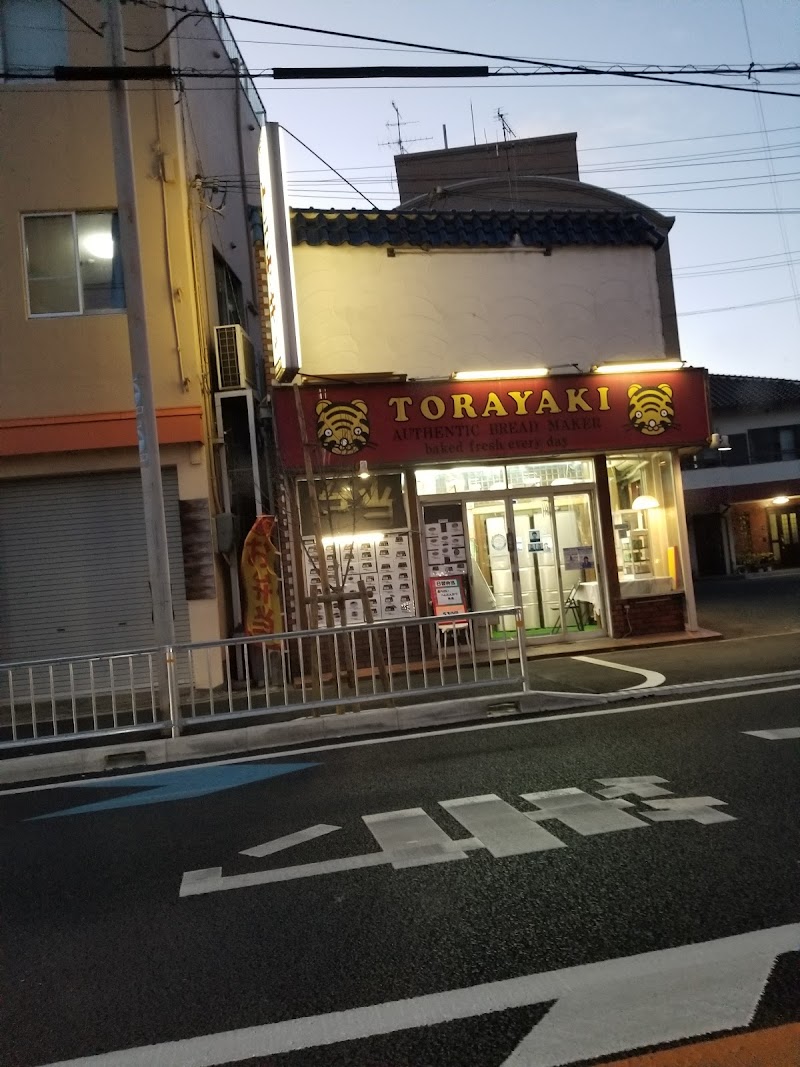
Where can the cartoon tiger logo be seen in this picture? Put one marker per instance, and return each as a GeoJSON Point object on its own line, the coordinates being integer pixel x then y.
{"type": "Point", "coordinates": [650, 409]}
{"type": "Point", "coordinates": [342, 429]}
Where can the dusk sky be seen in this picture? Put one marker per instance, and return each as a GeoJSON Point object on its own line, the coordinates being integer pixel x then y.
{"type": "Point", "coordinates": [699, 154]}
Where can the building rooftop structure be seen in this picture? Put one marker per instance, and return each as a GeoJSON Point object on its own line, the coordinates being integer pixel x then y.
{"type": "Point", "coordinates": [473, 229]}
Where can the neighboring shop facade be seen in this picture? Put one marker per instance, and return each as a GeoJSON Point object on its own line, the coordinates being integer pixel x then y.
{"type": "Point", "coordinates": [561, 494]}
{"type": "Point", "coordinates": [743, 499]}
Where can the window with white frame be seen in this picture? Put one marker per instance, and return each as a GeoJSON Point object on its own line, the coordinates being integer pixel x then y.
{"type": "Point", "coordinates": [73, 263]}
{"type": "Point", "coordinates": [33, 37]}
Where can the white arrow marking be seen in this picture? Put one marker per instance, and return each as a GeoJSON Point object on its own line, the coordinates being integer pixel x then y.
{"type": "Point", "coordinates": [730, 958]}
{"type": "Point", "coordinates": [280, 843]}
{"type": "Point", "coordinates": [775, 735]}
{"type": "Point", "coordinates": [675, 1004]}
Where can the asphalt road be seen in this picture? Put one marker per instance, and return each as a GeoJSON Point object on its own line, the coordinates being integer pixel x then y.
{"type": "Point", "coordinates": [759, 619]}
{"type": "Point", "coordinates": [156, 916]}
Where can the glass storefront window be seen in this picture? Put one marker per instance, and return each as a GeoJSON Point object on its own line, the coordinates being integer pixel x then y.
{"type": "Point", "coordinates": [350, 505]}
{"type": "Point", "coordinates": [432, 481]}
{"type": "Point", "coordinates": [646, 527]}
{"type": "Point", "coordinates": [561, 472]}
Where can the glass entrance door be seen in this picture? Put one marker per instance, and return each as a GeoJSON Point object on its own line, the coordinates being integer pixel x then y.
{"type": "Point", "coordinates": [538, 552]}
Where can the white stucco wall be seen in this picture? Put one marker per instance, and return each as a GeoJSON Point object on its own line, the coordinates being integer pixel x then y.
{"type": "Point", "coordinates": [428, 314]}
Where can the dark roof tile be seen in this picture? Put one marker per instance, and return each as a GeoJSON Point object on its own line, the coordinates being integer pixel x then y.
{"type": "Point", "coordinates": [473, 229]}
{"type": "Point", "coordinates": [743, 392]}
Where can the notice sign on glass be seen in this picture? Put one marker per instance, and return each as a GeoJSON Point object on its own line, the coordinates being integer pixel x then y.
{"type": "Point", "coordinates": [580, 558]}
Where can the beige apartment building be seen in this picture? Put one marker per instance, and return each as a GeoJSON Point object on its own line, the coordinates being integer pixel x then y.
{"type": "Point", "coordinates": [73, 560]}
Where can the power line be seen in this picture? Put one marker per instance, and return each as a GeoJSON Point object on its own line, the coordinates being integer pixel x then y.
{"type": "Point", "coordinates": [774, 182]}
{"type": "Point", "coordinates": [567, 68]}
{"type": "Point", "coordinates": [737, 307]}
{"type": "Point", "coordinates": [330, 167]}
{"type": "Point", "coordinates": [81, 19]}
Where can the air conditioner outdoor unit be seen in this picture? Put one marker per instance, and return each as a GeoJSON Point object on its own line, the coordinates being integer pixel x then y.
{"type": "Point", "coordinates": [236, 365]}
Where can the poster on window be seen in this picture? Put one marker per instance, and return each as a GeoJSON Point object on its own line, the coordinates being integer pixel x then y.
{"type": "Point", "coordinates": [579, 558]}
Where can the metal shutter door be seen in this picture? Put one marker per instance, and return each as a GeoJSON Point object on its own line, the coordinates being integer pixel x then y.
{"type": "Point", "coordinates": [73, 565]}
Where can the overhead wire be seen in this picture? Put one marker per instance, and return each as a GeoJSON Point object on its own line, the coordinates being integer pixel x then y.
{"type": "Point", "coordinates": [444, 50]}
{"type": "Point", "coordinates": [774, 182]}
{"type": "Point", "coordinates": [76, 15]}
{"type": "Point", "coordinates": [330, 167]}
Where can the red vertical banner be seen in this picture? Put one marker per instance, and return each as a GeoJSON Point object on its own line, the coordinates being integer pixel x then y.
{"type": "Point", "coordinates": [260, 587]}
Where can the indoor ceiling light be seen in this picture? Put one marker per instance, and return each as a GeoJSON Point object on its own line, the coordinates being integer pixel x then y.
{"type": "Point", "coordinates": [491, 375]}
{"type": "Point", "coordinates": [99, 244]}
{"type": "Point", "coordinates": [638, 368]}
{"type": "Point", "coordinates": [780, 499]}
{"type": "Point", "coordinates": [563, 481]}
{"type": "Point", "coordinates": [644, 503]}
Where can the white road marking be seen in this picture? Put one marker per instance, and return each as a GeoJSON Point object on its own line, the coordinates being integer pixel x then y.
{"type": "Point", "coordinates": [581, 812]}
{"type": "Point", "coordinates": [280, 843]}
{"type": "Point", "coordinates": [698, 809]}
{"type": "Point", "coordinates": [212, 880]}
{"type": "Point", "coordinates": [503, 830]}
{"type": "Point", "coordinates": [652, 1009]}
{"type": "Point", "coordinates": [504, 724]}
{"type": "Point", "coordinates": [775, 735]}
{"type": "Point", "coordinates": [647, 785]}
{"type": "Point", "coordinates": [411, 838]}
{"type": "Point", "coordinates": [651, 678]}
{"type": "Point", "coordinates": [731, 997]}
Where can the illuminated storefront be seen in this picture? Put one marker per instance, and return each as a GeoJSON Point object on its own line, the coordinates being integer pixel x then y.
{"type": "Point", "coordinates": [560, 494]}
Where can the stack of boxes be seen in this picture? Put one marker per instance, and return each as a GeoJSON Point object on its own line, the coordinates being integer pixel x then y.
{"type": "Point", "coordinates": [381, 561]}
{"type": "Point", "coordinates": [445, 548]}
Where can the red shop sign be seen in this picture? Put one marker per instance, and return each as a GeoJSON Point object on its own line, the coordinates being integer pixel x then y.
{"type": "Point", "coordinates": [472, 422]}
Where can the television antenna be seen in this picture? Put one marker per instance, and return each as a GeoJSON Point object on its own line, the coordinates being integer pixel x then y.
{"type": "Point", "coordinates": [399, 142]}
{"type": "Point", "coordinates": [504, 126]}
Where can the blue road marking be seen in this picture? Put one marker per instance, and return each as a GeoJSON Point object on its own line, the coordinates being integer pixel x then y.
{"type": "Point", "coordinates": [176, 785]}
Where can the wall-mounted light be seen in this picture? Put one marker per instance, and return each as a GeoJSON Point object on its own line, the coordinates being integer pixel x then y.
{"type": "Point", "coordinates": [644, 503]}
{"type": "Point", "coordinates": [638, 368]}
{"type": "Point", "coordinates": [780, 499]}
{"type": "Point", "coordinates": [720, 442]}
{"type": "Point", "coordinates": [363, 469]}
{"type": "Point", "coordinates": [492, 375]}
{"type": "Point", "coordinates": [353, 539]}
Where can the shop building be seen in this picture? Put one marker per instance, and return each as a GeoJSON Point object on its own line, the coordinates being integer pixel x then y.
{"type": "Point", "coordinates": [494, 395]}
{"type": "Point", "coordinates": [743, 497]}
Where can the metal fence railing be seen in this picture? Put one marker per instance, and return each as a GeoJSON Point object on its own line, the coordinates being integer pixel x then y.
{"type": "Point", "coordinates": [283, 676]}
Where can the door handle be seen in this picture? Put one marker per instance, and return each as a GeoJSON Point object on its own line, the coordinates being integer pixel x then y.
{"type": "Point", "coordinates": [511, 542]}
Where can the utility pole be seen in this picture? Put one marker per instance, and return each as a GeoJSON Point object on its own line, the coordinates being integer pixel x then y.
{"type": "Point", "coordinates": [144, 403]}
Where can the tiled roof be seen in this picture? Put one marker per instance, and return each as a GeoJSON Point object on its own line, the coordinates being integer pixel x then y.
{"type": "Point", "coordinates": [742, 392]}
{"type": "Point", "coordinates": [473, 229]}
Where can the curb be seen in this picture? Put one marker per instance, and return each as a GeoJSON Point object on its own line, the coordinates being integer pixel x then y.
{"type": "Point", "coordinates": [73, 763]}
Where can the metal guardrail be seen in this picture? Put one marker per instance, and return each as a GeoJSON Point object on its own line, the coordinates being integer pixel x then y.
{"type": "Point", "coordinates": [282, 676]}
